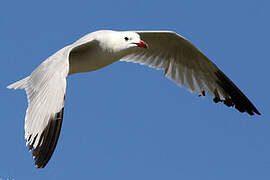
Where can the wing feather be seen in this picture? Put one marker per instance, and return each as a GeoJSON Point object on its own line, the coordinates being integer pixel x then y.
{"type": "Point", "coordinates": [45, 89]}
{"type": "Point", "coordinates": [186, 65]}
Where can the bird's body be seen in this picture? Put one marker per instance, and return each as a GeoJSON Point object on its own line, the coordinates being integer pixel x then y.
{"type": "Point", "coordinates": [87, 61]}
{"type": "Point", "coordinates": [177, 57]}
{"type": "Point", "coordinates": [84, 60]}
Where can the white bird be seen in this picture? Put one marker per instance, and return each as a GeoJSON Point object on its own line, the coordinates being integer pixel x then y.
{"type": "Point", "coordinates": [181, 62]}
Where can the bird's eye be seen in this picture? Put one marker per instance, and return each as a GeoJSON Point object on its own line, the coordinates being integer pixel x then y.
{"type": "Point", "coordinates": [126, 38]}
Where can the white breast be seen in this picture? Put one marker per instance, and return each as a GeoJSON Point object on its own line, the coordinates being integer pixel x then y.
{"type": "Point", "coordinates": [90, 59]}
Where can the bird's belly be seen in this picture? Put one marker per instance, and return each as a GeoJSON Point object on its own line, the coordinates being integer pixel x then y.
{"type": "Point", "coordinates": [89, 62]}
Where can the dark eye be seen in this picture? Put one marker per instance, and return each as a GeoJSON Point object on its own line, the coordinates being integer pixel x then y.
{"type": "Point", "coordinates": [126, 38]}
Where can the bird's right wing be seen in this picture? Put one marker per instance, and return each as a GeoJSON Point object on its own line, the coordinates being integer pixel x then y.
{"type": "Point", "coordinates": [45, 89]}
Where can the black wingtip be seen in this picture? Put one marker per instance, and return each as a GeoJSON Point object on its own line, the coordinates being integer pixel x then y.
{"type": "Point", "coordinates": [48, 140]}
{"type": "Point", "coordinates": [236, 97]}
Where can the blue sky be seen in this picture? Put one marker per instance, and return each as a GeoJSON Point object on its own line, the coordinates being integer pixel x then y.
{"type": "Point", "coordinates": [127, 121]}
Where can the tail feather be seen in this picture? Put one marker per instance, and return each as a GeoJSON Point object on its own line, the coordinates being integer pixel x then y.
{"type": "Point", "coordinates": [19, 84]}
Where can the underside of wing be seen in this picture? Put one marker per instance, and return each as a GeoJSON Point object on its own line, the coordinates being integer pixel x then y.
{"type": "Point", "coordinates": [45, 89]}
{"type": "Point", "coordinates": [186, 65]}
{"type": "Point", "coordinates": [47, 141]}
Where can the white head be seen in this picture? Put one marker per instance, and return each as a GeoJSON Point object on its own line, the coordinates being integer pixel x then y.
{"type": "Point", "coordinates": [120, 40]}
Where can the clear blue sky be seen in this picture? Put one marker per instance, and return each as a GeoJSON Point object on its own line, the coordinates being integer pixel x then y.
{"type": "Point", "coordinates": [127, 121]}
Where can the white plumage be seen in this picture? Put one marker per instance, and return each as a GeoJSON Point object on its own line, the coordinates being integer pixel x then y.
{"type": "Point", "coordinates": [181, 62]}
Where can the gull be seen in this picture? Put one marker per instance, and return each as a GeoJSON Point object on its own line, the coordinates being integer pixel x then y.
{"type": "Point", "coordinates": [168, 51]}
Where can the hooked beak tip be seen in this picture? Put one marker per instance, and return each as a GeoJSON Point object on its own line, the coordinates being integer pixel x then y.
{"type": "Point", "coordinates": [142, 44]}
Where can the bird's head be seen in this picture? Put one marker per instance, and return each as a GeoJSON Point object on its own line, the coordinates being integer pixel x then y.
{"type": "Point", "coordinates": [121, 40]}
{"type": "Point", "coordinates": [132, 39]}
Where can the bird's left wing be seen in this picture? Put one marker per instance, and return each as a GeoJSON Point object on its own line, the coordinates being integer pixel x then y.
{"type": "Point", "coordinates": [183, 63]}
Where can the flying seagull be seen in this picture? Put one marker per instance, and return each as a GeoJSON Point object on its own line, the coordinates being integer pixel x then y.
{"type": "Point", "coordinates": [180, 61]}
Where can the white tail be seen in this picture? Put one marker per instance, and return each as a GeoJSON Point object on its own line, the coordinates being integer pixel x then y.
{"type": "Point", "coordinates": [19, 84]}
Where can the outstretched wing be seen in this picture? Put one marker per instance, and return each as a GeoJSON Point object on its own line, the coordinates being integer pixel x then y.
{"type": "Point", "coordinates": [183, 63]}
{"type": "Point", "coordinates": [45, 89]}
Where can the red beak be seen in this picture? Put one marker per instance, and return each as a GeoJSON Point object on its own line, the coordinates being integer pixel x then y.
{"type": "Point", "coordinates": [142, 44]}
